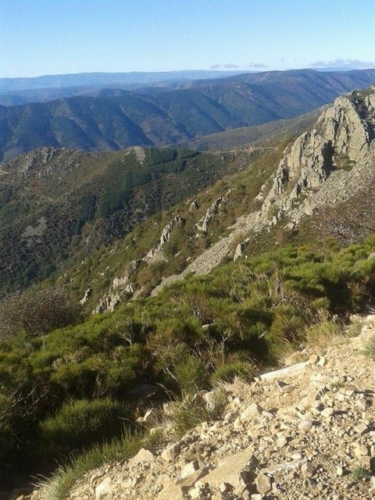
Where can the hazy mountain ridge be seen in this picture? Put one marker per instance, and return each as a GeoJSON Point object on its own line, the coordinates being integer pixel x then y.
{"type": "Point", "coordinates": [169, 117]}
{"type": "Point", "coordinates": [54, 89]}
{"type": "Point", "coordinates": [90, 79]}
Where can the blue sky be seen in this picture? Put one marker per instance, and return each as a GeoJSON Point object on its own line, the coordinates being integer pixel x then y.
{"type": "Point", "coordinates": [40, 37]}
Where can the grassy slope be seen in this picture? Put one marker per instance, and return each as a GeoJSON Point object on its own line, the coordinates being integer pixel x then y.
{"type": "Point", "coordinates": [256, 311]}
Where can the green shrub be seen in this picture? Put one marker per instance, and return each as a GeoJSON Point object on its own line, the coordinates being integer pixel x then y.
{"type": "Point", "coordinates": [359, 473]}
{"type": "Point", "coordinates": [96, 376]}
{"type": "Point", "coordinates": [171, 343]}
{"type": "Point", "coordinates": [194, 410]}
{"type": "Point", "coordinates": [82, 423]}
{"type": "Point", "coordinates": [192, 375]}
{"type": "Point", "coordinates": [7, 437]}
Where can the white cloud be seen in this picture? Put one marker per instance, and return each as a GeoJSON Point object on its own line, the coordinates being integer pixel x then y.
{"type": "Point", "coordinates": [343, 63]}
{"type": "Point", "coordinates": [231, 66]}
{"type": "Point", "coordinates": [215, 66]}
{"type": "Point", "coordinates": [258, 65]}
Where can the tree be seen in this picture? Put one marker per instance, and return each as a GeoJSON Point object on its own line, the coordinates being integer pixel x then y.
{"type": "Point", "coordinates": [37, 312]}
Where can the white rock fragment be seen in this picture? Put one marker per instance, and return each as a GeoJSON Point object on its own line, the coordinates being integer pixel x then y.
{"type": "Point", "coordinates": [305, 425]}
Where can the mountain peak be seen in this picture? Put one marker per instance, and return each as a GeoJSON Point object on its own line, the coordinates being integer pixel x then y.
{"type": "Point", "coordinates": [340, 145]}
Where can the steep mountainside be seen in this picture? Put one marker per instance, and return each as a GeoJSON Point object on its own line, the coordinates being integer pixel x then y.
{"type": "Point", "coordinates": [169, 117]}
{"type": "Point", "coordinates": [323, 187]}
{"type": "Point", "coordinates": [97, 199]}
{"type": "Point", "coordinates": [269, 134]}
{"type": "Point", "coordinates": [58, 206]}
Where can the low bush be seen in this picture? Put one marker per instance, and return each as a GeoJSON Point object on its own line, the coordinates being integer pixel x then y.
{"type": "Point", "coordinates": [192, 374]}
{"type": "Point", "coordinates": [82, 423]}
{"type": "Point", "coordinates": [194, 409]}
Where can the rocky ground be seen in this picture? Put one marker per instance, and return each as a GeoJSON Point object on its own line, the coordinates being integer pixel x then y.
{"type": "Point", "coordinates": [304, 432]}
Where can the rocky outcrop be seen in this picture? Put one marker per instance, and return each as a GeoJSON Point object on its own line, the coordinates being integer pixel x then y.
{"type": "Point", "coordinates": [304, 432]}
{"type": "Point", "coordinates": [156, 253]}
{"type": "Point", "coordinates": [194, 206]}
{"type": "Point", "coordinates": [125, 280]}
{"type": "Point", "coordinates": [108, 303]}
{"type": "Point", "coordinates": [167, 231]}
{"type": "Point", "coordinates": [36, 231]}
{"type": "Point", "coordinates": [125, 284]}
{"type": "Point", "coordinates": [341, 140]}
{"type": "Point", "coordinates": [204, 223]}
{"type": "Point", "coordinates": [240, 249]}
{"type": "Point", "coordinates": [86, 296]}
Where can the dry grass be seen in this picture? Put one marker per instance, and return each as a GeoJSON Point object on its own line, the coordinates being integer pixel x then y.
{"type": "Point", "coordinates": [321, 335]}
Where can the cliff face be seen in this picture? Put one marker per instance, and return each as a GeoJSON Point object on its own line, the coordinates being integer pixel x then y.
{"type": "Point", "coordinates": [341, 143]}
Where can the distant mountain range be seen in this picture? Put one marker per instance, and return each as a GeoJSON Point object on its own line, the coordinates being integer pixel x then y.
{"type": "Point", "coordinates": [112, 119]}
{"type": "Point", "coordinates": [91, 79]}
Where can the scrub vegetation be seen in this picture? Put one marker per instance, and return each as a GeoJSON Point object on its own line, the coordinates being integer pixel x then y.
{"type": "Point", "coordinates": [67, 389]}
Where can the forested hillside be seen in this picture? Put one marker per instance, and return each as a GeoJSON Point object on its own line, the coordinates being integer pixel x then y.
{"type": "Point", "coordinates": [117, 120]}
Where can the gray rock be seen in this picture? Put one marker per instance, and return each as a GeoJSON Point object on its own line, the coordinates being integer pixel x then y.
{"type": "Point", "coordinates": [171, 491]}
{"type": "Point", "coordinates": [104, 488]}
{"type": "Point", "coordinates": [305, 425]}
{"type": "Point", "coordinates": [240, 249]}
{"type": "Point", "coordinates": [233, 470]}
{"type": "Point", "coordinates": [86, 296]}
{"type": "Point", "coordinates": [204, 223]}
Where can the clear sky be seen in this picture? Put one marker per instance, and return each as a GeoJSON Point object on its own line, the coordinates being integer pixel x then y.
{"type": "Point", "coordinates": [41, 37]}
